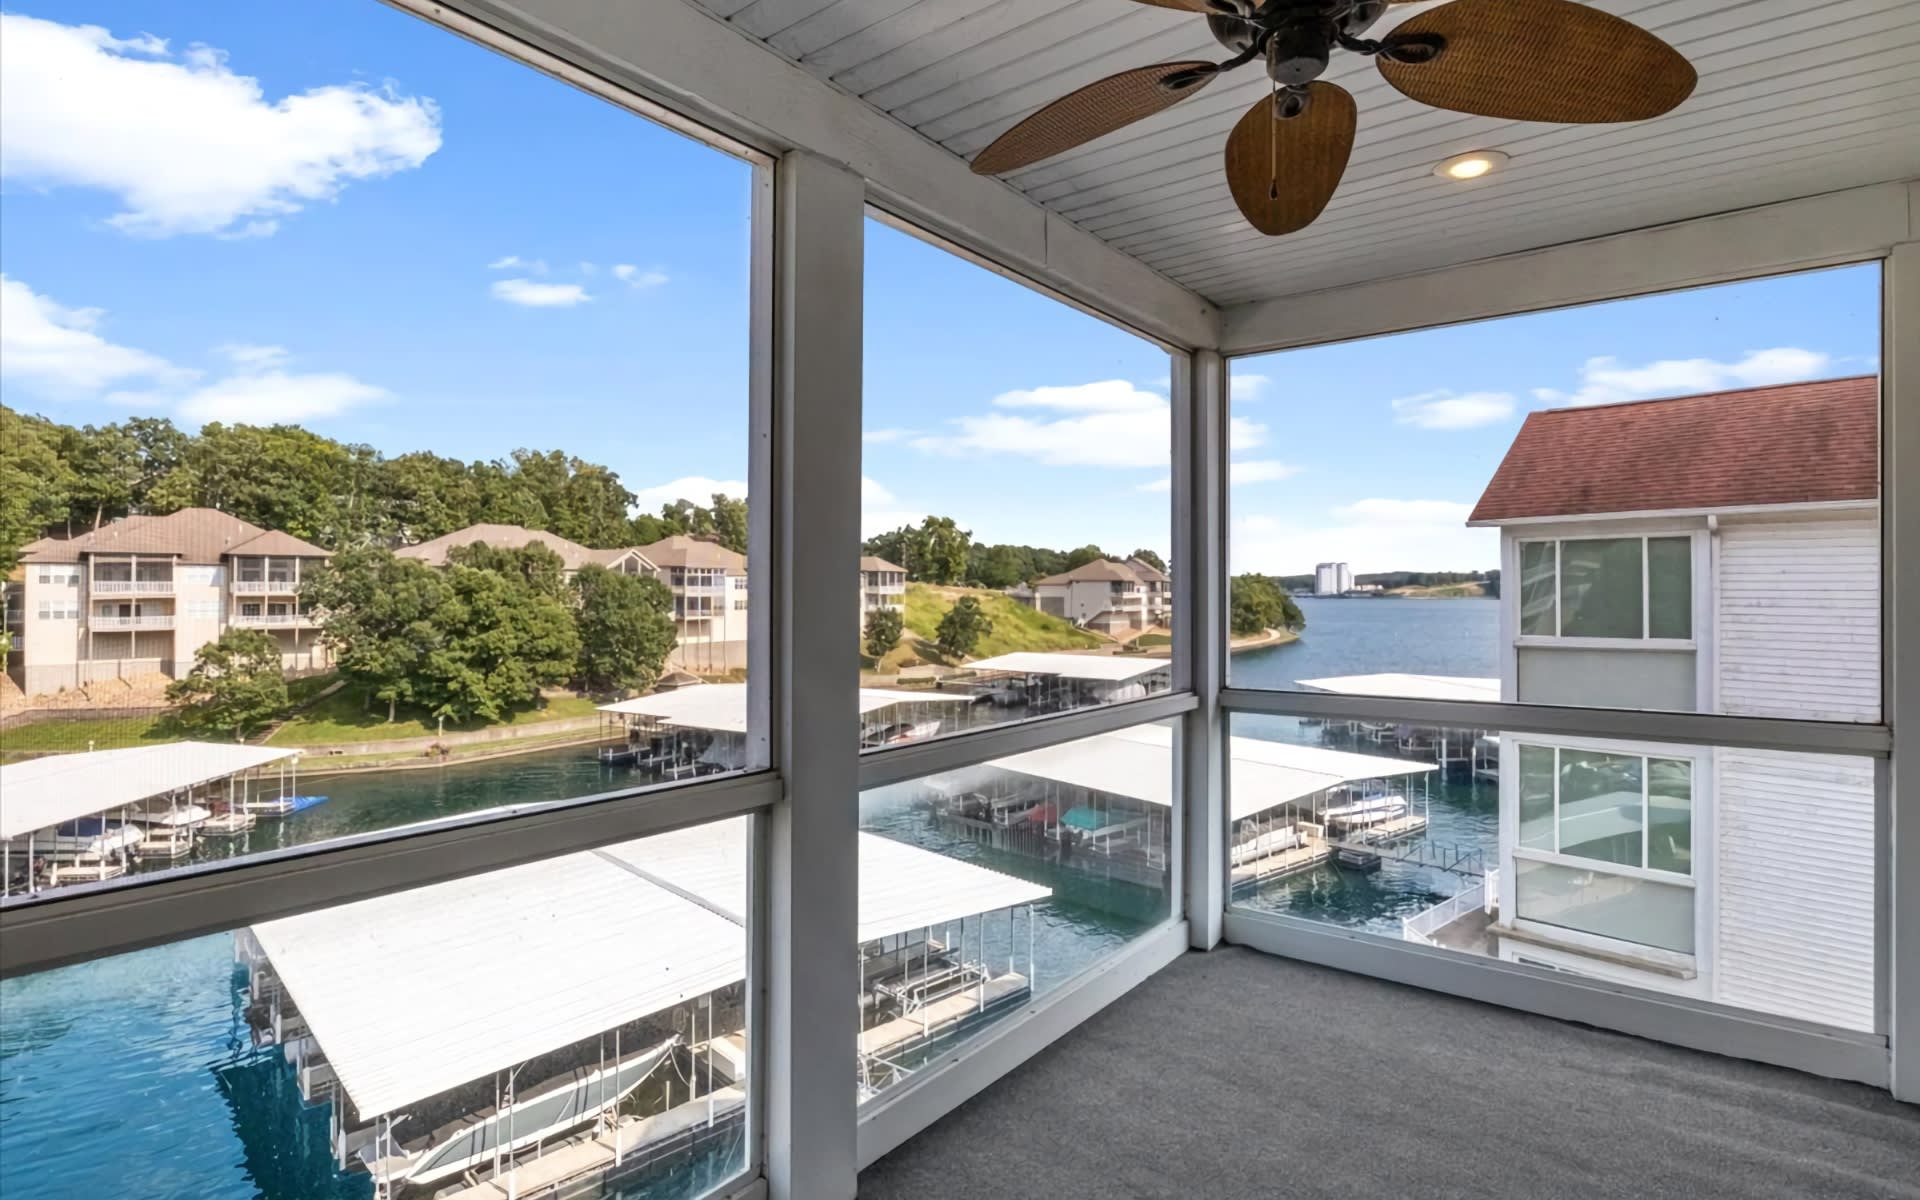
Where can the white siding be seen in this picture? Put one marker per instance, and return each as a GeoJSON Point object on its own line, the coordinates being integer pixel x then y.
{"type": "Point", "coordinates": [1794, 886]}
{"type": "Point", "coordinates": [1799, 620]}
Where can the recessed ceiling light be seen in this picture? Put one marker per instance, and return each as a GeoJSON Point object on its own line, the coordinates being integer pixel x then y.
{"type": "Point", "coordinates": [1471, 165]}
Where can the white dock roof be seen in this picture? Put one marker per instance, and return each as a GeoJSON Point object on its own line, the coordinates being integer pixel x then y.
{"type": "Point", "coordinates": [50, 791]}
{"type": "Point", "coordinates": [421, 991]}
{"type": "Point", "coordinates": [723, 706]}
{"type": "Point", "coordinates": [1411, 687]}
{"type": "Point", "coordinates": [1138, 763]}
{"type": "Point", "coordinates": [1108, 668]}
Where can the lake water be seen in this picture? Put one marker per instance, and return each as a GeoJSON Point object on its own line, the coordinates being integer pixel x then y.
{"type": "Point", "coordinates": [142, 1062]}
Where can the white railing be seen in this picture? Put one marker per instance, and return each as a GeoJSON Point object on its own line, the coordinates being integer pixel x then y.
{"type": "Point", "coordinates": [1421, 926]}
{"type": "Point", "coordinates": [131, 587]}
{"type": "Point", "coordinates": [109, 623]}
{"type": "Point", "coordinates": [257, 587]}
{"type": "Point", "coordinates": [271, 620]}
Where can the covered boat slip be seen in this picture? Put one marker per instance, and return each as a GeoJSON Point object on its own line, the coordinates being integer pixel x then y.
{"type": "Point", "coordinates": [1444, 746]}
{"type": "Point", "coordinates": [1044, 682]}
{"type": "Point", "coordinates": [435, 1000]}
{"type": "Point", "coordinates": [702, 728]}
{"type": "Point", "coordinates": [102, 807]}
{"type": "Point", "coordinates": [1107, 799]}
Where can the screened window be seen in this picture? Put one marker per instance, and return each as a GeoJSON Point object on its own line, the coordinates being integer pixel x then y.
{"type": "Point", "coordinates": [1626, 809]}
{"type": "Point", "coordinates": [1607, 905]}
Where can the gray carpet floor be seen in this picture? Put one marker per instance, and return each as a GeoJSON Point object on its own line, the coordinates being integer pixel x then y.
{"type": "Point", "coordinates": [1234, 1074]}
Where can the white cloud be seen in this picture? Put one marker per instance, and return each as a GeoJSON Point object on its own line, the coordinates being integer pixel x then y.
{"type": "Point", "coordinates": [1372, 534]}
{"type": "Point", "coordinates": [1608, 381]}
{"type": "Point", "coordinates": [527, 293]}
{"type": "Point", "coordinates": [633, 276]}
{"type": "Point", "coordinates": [1245, 385]}
{"type": "Point", "coordinates": [873, 493]}
{"type": "Point", "coordinates": [1162, 484]}
{"type": "Point", "coordinates": [513, 262]}
{"type": "Point", "coordinates": [274, 396]}
{"type": "Point", "coordinates": [251, 357]}
{"type": "Point", "coordinates": [878, 436]}
{"type": "Point", "coordinates": [183, 143]}
{"type": "Point", "coordinates": [1443, 410]}
{"type": "Point", "coordinates": [1112, 424]}
{"type": "Point", "coordinates": [48, 347]}
{"type": "Point", "coordinates": [697, 488]}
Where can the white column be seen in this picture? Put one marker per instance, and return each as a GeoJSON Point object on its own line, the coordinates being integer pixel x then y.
{"type": "Point", "coordinates": [1199, 572]}
{"type": "Point", "coordinates": [1900, 376]}
{"type": "Point", "coordinates": [812, 1020]}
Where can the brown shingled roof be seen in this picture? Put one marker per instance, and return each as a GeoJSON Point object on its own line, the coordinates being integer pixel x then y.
{"type": "Point", "coordinates": [507, 537]}
{"type": "Point", "coordinates": [870, 563]}
{"type": "Point", "coordinates": [1796, 443]}
{"type": "Point", "coordinates": [1099, 570]}
{"type": "Point", "coordinates": [194, 535]}
{"type": "Point", "coordinates": [683, 551]}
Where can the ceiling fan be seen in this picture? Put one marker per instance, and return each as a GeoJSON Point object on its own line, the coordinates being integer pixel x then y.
{"type": "Point", "coordinates": [1519, 60]}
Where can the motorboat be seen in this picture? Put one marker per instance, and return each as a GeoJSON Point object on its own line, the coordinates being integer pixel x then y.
{"type": "Point", "coordinates": [537, 1114]}
{"type": "Point", "coordinates": [84, 838]}
{"type": "Point", "coordinates": [1368, 809]}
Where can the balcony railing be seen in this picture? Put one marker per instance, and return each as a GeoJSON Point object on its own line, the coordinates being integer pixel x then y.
{"type": "Point", "coordinates": [266, 587]}
{"type": "Point", "coordinates": [131, 587]}
{"type": "Point", "coordinates": [1481, 895]}
{"type": "Point", "coordinates": [271, 620]}
{"type": "Point", "coordinates": [107, 624]}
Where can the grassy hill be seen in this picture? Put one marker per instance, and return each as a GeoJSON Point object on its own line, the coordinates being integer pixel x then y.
{"type": "Point", "coordinates": [1015, 626]}
{"type": "Point", "coordinates": [1443, 591]}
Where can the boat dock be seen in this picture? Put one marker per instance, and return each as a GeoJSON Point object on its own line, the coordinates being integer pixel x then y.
{"type": "Point", "coordinates": [938, 1016]}
{"type": "Point", "coordinates": [629, 1144]}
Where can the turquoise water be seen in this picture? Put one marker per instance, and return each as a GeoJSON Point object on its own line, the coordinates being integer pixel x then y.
{"type": "Point", "coordinates": [1364, 637]}
{"type": "Point", "coordinates": [132, 1076]}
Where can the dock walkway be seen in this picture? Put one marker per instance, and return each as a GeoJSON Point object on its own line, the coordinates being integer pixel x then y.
{"type": "Point", "coordinates": [934, 1017]}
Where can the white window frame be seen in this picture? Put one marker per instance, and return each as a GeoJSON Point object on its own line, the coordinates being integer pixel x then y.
{"type": "Point", "coordinates": [1646, 640]}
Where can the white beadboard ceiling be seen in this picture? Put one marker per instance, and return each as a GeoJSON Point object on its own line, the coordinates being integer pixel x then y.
{"type": "Point", "coordinates": [1796, 97]}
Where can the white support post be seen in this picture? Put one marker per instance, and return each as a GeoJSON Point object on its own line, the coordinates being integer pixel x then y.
{"type": "Point", "coordinates": [1900, 376]}
{"type": "Point", "coordinates": [1200, 572]}
{"type": "Point", "coordinates": [812, 1021]}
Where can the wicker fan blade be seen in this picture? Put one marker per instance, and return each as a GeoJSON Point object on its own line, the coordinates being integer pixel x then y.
{"type": "Point", "coordinates": [1281, 171]}
{"type": "Point", "coordinates": [1094, 110]}
{"type": "Point", "coordinates": [1540, 60]}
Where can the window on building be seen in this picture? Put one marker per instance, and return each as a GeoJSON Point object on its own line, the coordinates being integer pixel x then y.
{"type": "Point", "coordinates": [1638, 587]}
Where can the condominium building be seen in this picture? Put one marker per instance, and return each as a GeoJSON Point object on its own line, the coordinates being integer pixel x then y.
{"type": "Point", "coordinates": [709, 586]}
{"type": "Point", "coordinates": [140, 595]}
{"type": "Point", "coordinates": [1332, 579]}
{"type": "Point", "coordinates": [882, 585]}
{"type": "Point", "coordinates": [1717, 554]}
{"type": "Point", "coordinates": [1107, 596]}
{"type": "Point", "coordinates": [573, 556]}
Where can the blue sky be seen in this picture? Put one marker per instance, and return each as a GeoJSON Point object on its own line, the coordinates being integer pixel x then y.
{"type": "Point", "coordinates": [337, 215]}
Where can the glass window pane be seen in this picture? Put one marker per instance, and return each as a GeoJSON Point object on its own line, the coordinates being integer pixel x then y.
{"type": "Point", "coordinates": [1536, 797]}
{"type": "Point", "coordinates": [1614, 906]}
{"type": "Point", "coordinates": [1601, 802]}
{"type": "Point", "coordinates": [1670, 815]}
{"type": "Point", "coordinates": [1016, 503]}
{"type": "Point", "coordinates": [1417, 463]}
{"type": "Point", "coordinates": [1537, 614]}
{"type": "Point", "coordinates": [398, 500]}
{"type": "Point", "coordinates": [585, 1016]}
{"type": "Point", "coordinates": [1600, 588]}
{"type": "Point", "coordinates": [989, 885]}
{"type": "Point", "coordinates": [1389, 828]}
{"type": "Point", "coordinates": [1670, 587]}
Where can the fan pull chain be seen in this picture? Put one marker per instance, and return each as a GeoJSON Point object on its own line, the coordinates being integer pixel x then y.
{"type": "Point", "coordinates": [1273, 146]}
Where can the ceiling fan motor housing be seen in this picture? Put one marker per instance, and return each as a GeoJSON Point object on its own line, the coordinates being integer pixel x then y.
{"type": "Point", "coordinates": [1298, 52]}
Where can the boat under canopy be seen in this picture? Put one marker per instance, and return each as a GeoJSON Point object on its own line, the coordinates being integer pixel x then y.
{"type": "Point", "coordinates": [45, 792]}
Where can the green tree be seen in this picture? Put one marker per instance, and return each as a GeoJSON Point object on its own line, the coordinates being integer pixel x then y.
{"type": "Point", "coordinates": [962, 628]}
{"type": "Point", "coordinates": [1001, 566]}
{"type": "Point", "coordinates": [540, 568]}
{"type": "Point", "coordinates": [384, 617]}
{"type": "Point", "coordinates": [943, 546]}
{"type": "Point", "coordinates": [34, 482]}
{"type": "Point", "coordinates": [236, 685]}
{"type": "Point", "coordinates": [500, 643]}
{"type": "Point", "coordinates": [1257, 603]}
{"type": "Point", "coordinates": [730, 522]}
{"type": "Point", "coordinates": [426, 496]}
{"type": "Point", "coordinates": [906, 546]}
{"type": "Point", "coordinates": [882, 631]}
{"type": "Point", "coordinates": [626, 628]}
{"type": "Point", "coordinates": [1151, 559]}
{"type": "Point", "coordinates": [1083, 556]}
